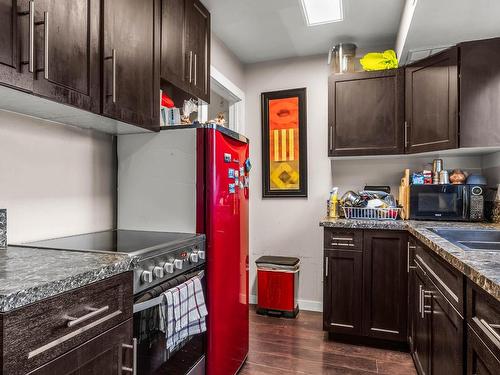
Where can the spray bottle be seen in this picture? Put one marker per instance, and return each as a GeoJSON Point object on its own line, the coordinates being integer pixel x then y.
{"type": "Point", "coordinates": [334, 203]}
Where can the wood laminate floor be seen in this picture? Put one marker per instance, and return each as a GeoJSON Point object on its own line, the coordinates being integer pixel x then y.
{"type": "Point", "coordinates": [299, 346]}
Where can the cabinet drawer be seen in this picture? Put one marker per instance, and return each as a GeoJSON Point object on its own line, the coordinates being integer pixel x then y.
{"type": "Point", "coordinates": [38, 333]}
{"type": "Point", "coordinates": [483, 315]}
{"type": "Point", "coordinates": [480, 359]}
{"type": "Point", "coordinates": [344, 239]}
{"type": "Point", "coordinates": [447, 279]}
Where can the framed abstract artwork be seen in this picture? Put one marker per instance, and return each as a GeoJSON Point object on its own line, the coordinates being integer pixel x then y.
{"type": "Point", "coordinates": [284, 143]}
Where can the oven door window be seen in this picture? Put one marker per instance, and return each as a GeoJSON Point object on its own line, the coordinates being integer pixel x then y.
{"type": "Point", "coordinates": [153, 357]}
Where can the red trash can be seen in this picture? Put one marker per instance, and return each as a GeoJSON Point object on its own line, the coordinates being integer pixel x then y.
{"type": "Point", "coordinates": [277, 286]}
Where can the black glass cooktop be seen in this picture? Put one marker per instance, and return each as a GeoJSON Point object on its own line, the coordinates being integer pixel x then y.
{"type": "Point", "coordinates": [120, 241]}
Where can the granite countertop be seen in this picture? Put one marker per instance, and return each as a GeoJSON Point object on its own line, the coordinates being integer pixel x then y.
{"type": "Point", "coordinates": [30, 275]}
{"type": "Point", "coordinates": [482, 267]}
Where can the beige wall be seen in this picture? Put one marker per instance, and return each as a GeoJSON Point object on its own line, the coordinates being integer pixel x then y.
{"type": "Point", "coordinates": [54, 180]}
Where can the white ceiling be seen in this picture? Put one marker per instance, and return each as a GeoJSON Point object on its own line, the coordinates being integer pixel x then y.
{"type": "Point", "coordinates": [438, 23]}
{"type": "Point", "coordinates": [261, 30]}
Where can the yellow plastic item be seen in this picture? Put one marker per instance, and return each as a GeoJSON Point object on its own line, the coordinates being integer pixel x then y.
{"type": "Point", "coordinates": [379, 61]}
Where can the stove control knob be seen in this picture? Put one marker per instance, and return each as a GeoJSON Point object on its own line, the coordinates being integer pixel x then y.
{"type": "Point", "coordinates": [201, 254]}
{"type": "Point", "coordinates": [147, 277]}
{"type": "Point", "coordinates": [178, 264]}
{"type": "Point", "coordinates": [168, 267]}
{"type": "Point", "coordinates": [158, 272]}
{"type": "Point", "coordinates": [193, 257]}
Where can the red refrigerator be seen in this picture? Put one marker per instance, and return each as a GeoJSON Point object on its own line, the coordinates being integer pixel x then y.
{"type": "Point", "coordinates": [222, 214]}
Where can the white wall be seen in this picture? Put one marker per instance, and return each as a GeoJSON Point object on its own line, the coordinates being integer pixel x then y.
{"type": "Point", "coordinates": [54, 180]}
{"type": "Point", "coordinates": [491, 168]}
{"type": "Point", "coordinates": [289, 226]}
{"type": "Point", "coordinates": [227, 63]}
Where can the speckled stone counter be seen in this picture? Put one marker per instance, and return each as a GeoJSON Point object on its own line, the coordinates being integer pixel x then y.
{"type": "Point", "coordinates": [30, 275]}
{"type": "Point", "coordinates": [482, 267]}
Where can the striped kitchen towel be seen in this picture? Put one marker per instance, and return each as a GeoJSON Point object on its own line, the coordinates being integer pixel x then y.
{"type": "Point", "coordinates": [185, 312]}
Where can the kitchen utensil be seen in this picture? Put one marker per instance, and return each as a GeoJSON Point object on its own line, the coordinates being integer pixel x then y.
{"type": "Point", "coordinates": [384, 188]}
{"type": "Point", "coordinates": [350, 198]}
{"type": "Point", "coordinates": [457, 177]}
{"type": "Point", "coordinates": [444, 178]}
{"type": "Point", "coordinates": [476, 179]}
{"type": "Point", "coordinates": [342, 58]}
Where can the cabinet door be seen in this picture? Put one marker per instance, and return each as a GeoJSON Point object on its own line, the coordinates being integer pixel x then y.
{"type": "Point", "coordinates": [480, 360]}
{"type": "Point", "coordinates": [172, 42]}
{"type": "Point", "coordinates": [131, 62]}
{"type": "Point", "coordinates": [343, 291]}
{"type": "Point", "coordinates": [432, 103]}
{"type": "Point", "coordinates": [479, 93]}
{"type": "Point", "coordinates": [198, 48]}
{"type": "Point", "coordinates": [14, 44]}
{"type": "Point", "coordinates": [421, 338]}
{"type": "Point", "coordinates": [385, 285]}
{"type": "Point", "coordinates": [107, 354]}
{"type": "Point", "coordinates": [366, 113]}
{"type": "Point", "coordinates": [67, 52]}
{"type": "Point", "coordinates": [446, 333]}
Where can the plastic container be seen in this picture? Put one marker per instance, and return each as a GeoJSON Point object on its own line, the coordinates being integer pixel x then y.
{"type": "Point", "coordinates": [277, 286]}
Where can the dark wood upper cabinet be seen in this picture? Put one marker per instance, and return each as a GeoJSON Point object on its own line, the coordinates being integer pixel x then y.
{"type": "Point", "coordinates": [480, 93]}
{"type": "Point", "coordinates": [14, 44]}
{"type": "Point", "coordinates": [342, 291]}
{"type": "Point", "coordinates": [432, 103]}
{"type": "Point", "coordinates": [67, 52]}
{"type": "Point", "coordinates": [131, 62]}
{"type": "Point", "coordinates": [172, 42]}
{"type": "Point", "coordinates": [385, 285]}
{"type": "Point", "coordinates": [366, 113]}
{"type": "Point", "coordinates": [198, 48]}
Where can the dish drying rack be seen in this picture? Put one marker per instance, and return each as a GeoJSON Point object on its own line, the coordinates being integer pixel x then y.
{"type": "Point", "coordinates": [365, 213]}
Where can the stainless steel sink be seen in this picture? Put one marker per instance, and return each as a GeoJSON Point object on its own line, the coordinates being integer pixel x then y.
{"type": "Point", "coordinates": [471, 240]}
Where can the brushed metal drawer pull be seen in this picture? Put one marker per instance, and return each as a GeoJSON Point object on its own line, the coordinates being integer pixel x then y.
{"type": "Point", "coordinates": [490, 328]}
{"type": "Point", "coordinates": [326, 266]}
{"type": "Point", "coordinates": [342, 244]}
{"type": "Point", "coordinates": [408, 267]}
{"type": "Point", "coordinates": [31, 13]}
{"type": "Point", "coordinates": [93, 312]}
{"type": "Point", "coordinates": [70, 335]}
{"type": "Point", "coordinates": [342, 238]}
{"type": "Point", "coordinates": [441, 282]}
{"type": "Point", "coordinates": [133, 369]}
{"type": "Point", "coordinates": [46, 37]}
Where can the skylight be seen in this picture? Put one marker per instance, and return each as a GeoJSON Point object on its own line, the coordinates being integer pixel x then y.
{"type": "Point", "coordinates": [318, 12]}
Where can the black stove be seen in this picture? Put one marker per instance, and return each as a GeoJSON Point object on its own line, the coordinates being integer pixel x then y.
{"type": "Point", "coordinates": [158, 256]}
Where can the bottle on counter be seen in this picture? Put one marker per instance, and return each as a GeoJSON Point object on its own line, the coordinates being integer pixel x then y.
{"type": "Point", "coordinates": [333, 204]}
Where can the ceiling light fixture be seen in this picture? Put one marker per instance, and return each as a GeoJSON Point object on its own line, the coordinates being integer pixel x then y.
{"type": "Point", "coordinates": [318, 12]}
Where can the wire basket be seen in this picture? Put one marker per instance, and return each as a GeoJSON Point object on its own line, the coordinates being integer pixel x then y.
{"type": "Point", "coordinates": [371, 213]}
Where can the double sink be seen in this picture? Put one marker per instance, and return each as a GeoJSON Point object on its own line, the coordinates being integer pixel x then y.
{"type": "Point", "coordinates": [471, 240]}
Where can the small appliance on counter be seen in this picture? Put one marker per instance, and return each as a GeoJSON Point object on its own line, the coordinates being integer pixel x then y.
{"type": "Point", "coordinates": [447, 202]}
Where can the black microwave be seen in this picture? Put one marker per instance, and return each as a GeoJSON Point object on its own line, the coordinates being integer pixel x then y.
{"type": "Point", "coordinates": [447, 202]}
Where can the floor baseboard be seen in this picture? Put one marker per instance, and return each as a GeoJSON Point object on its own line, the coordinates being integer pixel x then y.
{"type": "Point", "coordinates": [304, 304]}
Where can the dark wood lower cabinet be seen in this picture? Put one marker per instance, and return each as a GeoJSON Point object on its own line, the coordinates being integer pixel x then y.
{"type": "Point", "coordinates": [384, 290]}
{"type": "Point", "coordinates": [343, 289]}
{"type": "Point", "coordinates": [480, 359]}
{"type": "Point", "coordinates": [107, 354]}
{"type": "Point", "coordinates": [420, 325]}
{"type": "Point", "coordinates": [365, 291]}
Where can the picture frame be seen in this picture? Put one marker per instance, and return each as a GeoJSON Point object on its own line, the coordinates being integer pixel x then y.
{"type": "Point", "coordinates": [284, 143]}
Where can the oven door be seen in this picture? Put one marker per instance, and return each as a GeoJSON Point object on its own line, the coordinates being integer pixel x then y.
{"type": "Point", "coordinates": [152, 355]}
{"type": "Point", "coordinates": [438, 202]}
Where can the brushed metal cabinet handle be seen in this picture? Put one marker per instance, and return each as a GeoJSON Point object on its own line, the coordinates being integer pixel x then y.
{"type": "Point", "coordinates": [113, 75]}
{"type": "Point", "coordinates": [330, 140]}
{"type": "Point", "coordinates": [326, 266]}
{"type": "Point", "coordinates": [72, 321]}
{"type": "Point", "coordinates": [46, 37]}
{"type": "Point", "coordinates": [342, 238]}
{"type": "Point", "coordinates": [406, 134]}
{"type": "Point", "coordinates": [490, 329]}
{"type": "Point", "coordinates": [195, 69]}
{"type": "Point", "coordinates": [31, 66]}
{"type": "Point", "coordinates": [420, 300]}
{"type": "Point", "coordinates": [408, 267]}
{"type": "Point", "coordinates": [190, 66]}
{"type": "Point", "coordinates": [133, 369]}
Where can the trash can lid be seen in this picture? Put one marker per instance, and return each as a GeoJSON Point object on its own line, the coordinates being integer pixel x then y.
{"type": "Point", "coordinates": [278, 261]}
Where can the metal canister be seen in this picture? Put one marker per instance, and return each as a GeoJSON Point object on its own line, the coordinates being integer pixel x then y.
{"type": "Point", "coordinates": [437, 165]}
{"type": "Point", "coordinates": [444, 178]}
